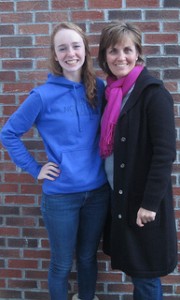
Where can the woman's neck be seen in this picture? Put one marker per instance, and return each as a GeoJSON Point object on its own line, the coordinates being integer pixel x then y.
{"type": "Point", "coordinates": [73, 76]}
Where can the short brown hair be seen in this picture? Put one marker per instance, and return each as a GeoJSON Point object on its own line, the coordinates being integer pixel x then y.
{"type": "Point", "coordinates": [114, 32]}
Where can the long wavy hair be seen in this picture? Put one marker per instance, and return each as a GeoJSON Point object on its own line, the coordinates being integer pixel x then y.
{"type": "Point", "coordinates": [113, 33]}
{"type": "Point", "coordinates": [87, 75]}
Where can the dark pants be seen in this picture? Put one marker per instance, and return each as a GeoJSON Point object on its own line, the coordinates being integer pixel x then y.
{"type": "Point", "coordinates": [147, 288]}
{"type": "Point", "coordinates": [74, 221]}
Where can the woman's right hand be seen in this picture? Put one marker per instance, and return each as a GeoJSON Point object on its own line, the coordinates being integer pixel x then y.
{"type": "Point", "coordinates": [49, 171]}
{"type": "Point", "coordinates": [144, 216]}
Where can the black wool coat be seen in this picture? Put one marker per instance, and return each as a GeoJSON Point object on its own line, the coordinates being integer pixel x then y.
{"type": "Point", "coordinates": [144, 151]}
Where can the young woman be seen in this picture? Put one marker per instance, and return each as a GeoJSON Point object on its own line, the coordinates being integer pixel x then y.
{"type": "Point", "coordinates": [138, 144]}
{"type": "Point", "coordinates": [66, 110]}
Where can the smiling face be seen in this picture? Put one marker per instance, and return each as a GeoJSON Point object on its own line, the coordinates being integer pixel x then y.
{"type": "Point", "coordinates": [70, 53]}
{"type": "Point", "coordinates": [121, 58]}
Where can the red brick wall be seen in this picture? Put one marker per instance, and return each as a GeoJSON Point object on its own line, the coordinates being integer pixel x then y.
{"type": "Point", "coordinates": [25, 29]}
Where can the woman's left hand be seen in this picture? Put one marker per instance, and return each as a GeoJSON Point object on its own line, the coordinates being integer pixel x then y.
{"type": "Point", "coordinates": [49, 171]}
{"type": "Point", "coordinates": [144, 216]}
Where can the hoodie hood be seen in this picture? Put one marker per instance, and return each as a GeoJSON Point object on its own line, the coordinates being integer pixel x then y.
{"type": "Point", "coordinates": [63, 81]}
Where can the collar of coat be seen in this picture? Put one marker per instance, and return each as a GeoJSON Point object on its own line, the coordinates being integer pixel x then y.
{"type": "Point", "coordinates": [144, 80]}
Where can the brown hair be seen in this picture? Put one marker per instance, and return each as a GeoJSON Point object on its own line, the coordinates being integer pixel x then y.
{"type": "Point", "coordinates": [114, 32]}
{"type": "Point", "coordinates": [88, 74]}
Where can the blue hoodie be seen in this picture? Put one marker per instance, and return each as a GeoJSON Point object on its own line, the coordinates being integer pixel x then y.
{"type": "Point", "coordinates": [69, 128]}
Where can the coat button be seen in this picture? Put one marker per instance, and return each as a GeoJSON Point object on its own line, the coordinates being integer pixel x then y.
{"type": "Point", "coordinates": [119, 216]}
{"type": "Point", "coordinates": [122, 165]}
{"type": "Point", "coordinates": [123, 139]}
{"type": "Point", "coordinates": [120, 192]}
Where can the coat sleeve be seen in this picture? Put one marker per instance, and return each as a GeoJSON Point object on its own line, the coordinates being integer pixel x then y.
{"type": "Point", "coordinates": [19, 123]}
{"type": "Point", "coordinates": [161, 126]}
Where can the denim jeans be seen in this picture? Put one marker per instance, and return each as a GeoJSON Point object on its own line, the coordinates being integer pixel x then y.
{"type": "Point", "coordinates": [74, 222]}
{"type": "Point", "coordinates": [147, 288]}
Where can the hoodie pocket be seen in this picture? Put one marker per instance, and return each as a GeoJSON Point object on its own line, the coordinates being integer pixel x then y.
{"type": "Point", "coordinates": [80, 167]}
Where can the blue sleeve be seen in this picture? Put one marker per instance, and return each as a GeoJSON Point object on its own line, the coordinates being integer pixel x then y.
{"type": "Point", "coordinates": [100, 84]}
{"type": "Point", "coordinates": [19, 123]}
{"type": "Point", "coordinates": [100, 89]}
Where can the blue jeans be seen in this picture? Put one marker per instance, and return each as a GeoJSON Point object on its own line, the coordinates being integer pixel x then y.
{"type": "Point", "coordinates": [147, 288]}
{"type": "Point", "coordinates": [74, 221]}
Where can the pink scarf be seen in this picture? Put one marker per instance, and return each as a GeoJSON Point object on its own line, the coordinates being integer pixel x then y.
{"type": "Point", "coordinates": [115, 91]}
